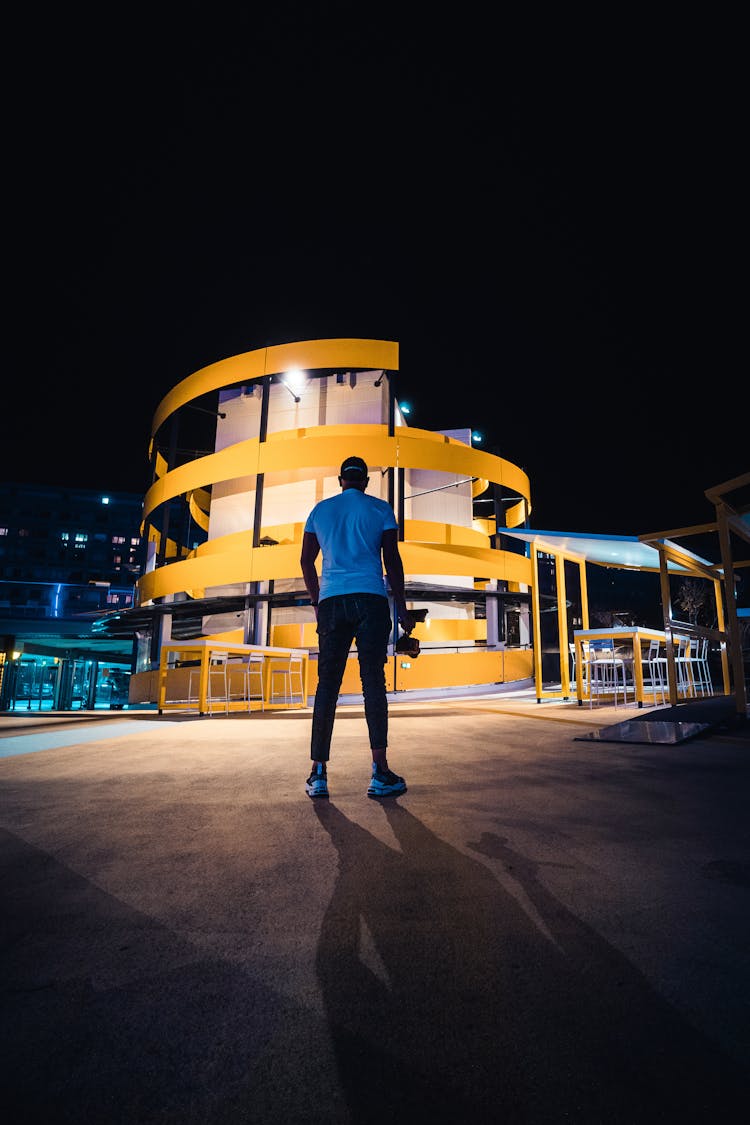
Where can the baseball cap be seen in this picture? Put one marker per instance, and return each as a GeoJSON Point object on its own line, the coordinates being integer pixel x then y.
{"type": "Point", "coordinates": [353, 468]}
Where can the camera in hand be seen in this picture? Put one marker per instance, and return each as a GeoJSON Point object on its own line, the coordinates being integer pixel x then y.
{"type": "Point", "coordinates": [406, 645]}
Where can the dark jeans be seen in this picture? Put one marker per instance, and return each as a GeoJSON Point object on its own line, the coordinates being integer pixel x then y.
{"type": "Point", "coordinates": [365, 618]}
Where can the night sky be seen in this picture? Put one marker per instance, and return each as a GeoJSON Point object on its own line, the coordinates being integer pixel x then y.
{"type": "Point", "coordinates": [545, 218]}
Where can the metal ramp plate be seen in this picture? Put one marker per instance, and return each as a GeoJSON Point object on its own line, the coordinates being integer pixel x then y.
{"type": "Point", "coordinates": [653, 733]}
{"type": "Point", "coordinates": [669, 726]}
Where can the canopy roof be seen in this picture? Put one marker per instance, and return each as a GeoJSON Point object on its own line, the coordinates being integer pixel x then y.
{"type": "Point", "coordinates": [624, 551]}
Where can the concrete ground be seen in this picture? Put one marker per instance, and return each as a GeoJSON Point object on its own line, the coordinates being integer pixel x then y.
{"type": "Point", "coordinates": [540, 930]}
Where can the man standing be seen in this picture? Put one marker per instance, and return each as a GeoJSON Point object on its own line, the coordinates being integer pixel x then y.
{"type": "Point", "coordinates": [358, 536]}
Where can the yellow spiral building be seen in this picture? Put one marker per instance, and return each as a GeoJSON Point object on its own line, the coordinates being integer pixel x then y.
{"type": "Point", "coordinates": [224, 524]}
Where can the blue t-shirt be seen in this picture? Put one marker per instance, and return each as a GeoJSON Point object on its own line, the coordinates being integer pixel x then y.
{"type": "Point", "coordinates": [349, 528]}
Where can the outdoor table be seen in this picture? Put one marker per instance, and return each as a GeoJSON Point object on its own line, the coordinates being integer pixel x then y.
{"type": "Point", "coordinates": [632, 637]}
{"type": "Point", "coordinates": [201, 651]}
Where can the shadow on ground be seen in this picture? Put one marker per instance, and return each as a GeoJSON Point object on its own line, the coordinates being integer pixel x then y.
{"type": "Point", "coordinates": [447, 1002]}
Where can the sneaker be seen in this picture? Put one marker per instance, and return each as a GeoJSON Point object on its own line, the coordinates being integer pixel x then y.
{"type": "Point", "coordinates": [385, 783]}
{"type": "Point", "coordinates": [317, 783]}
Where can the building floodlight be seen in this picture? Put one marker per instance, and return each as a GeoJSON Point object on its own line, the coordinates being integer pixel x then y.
{"type": "Point", "coordinates": [295, 382]}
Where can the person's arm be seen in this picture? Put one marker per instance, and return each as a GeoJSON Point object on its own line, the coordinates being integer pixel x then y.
{"type": "Point", "coordinates": [394, 569]}
{"type": "Point", "coordinates": [310, 552]}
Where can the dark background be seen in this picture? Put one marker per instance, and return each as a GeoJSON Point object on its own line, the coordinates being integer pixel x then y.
{"type": "Point", "coordinates": [546, 218]}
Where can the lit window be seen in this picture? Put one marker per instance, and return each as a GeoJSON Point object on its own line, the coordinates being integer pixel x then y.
{"type": "Point", "coordinates": [3, 531]}
{"type": "Point", "coordinates": [105, 499]}
{"type": "Point", "coordinates": [118, 538]}
{"type": "Point", "coordinates": [64, 536]}
{"type": "Point", "coordinates": [81, 537]}
{"type": "Point", "coordinates": [135, 542]}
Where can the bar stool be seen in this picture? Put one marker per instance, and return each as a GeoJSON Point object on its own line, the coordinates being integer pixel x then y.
{"type": "Point", "coordinates": [252, 668]}
{"type": "Point", "coordinates": [217, 690]}
{"type": "Point", "coordinates": [572, 651]}
{"type": "Point", "coordinates": [606, 674]}
{"type": "Point", "coordinates": [699, 669]}
{"type": "Point", "coordinates": [656, 664]}
{"type": "Point", "coordinates": [586, 652]}
{"type": "Point", "coordinates": [289, 673]}
{"type": "Point", "coordinates": [685, 683]}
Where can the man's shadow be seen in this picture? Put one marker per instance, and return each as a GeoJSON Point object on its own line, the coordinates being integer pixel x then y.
{"type": "Point", "coordinates": [446, 999]}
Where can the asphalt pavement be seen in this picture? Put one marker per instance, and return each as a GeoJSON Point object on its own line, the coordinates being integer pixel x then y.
{"type": "Point", "coordinates": [540, 930]}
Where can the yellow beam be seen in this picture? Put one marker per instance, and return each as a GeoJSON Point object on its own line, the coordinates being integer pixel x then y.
{"type": "Point", "coordinates": [375, 355]}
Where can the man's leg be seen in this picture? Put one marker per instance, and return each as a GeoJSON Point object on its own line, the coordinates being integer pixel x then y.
{"type": "Point", "coordinates": [335, 635]}
{"type": "Point", "coordinates": [373, 630]}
